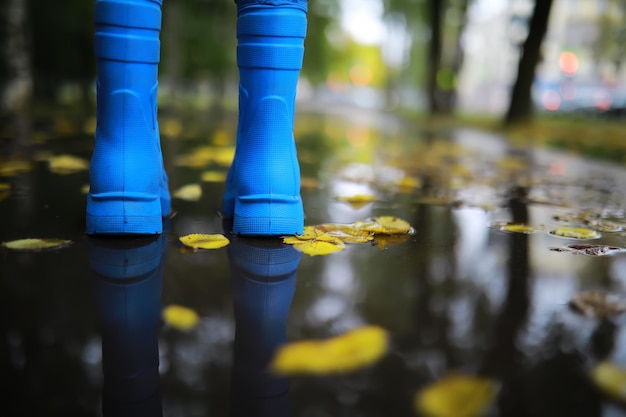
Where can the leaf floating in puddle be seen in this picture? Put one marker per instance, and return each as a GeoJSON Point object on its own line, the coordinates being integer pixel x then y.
{"type": "Point", "coordinates": [575, 233]}
{"type": "Point", "coordinates": [67, 164]}
{"type": "Point", "coordinates": [590, 250]}
{"type": "Point", "coordinates": [457, 396]}
{"type": "Point", "coordinates": [597, 304]}
{"type": "Point", "coordinates": [189, 192]}
{"type": "Point", "coordinates": [204, 241]}
{"type": "Point", "coordinates": [346, 232]}
{"type": "Point", "coordinates": [349, 352]}
{"type": "Point", "coordinates": [11, 168]}
{"type": "Point", "coordinates": [180, 318]}
{"type": "Point", "coordinates": [357, 201]}
{"type": "Point", "coordinates": [315, 242]}
{"type": "Point", "coordinates": [520, 228]}
{"type": "Point", "coordinates": [213, 176]}
{"type": "Point", "coordinates": [610, 379]}
{"type": "Point", "coordinates": [5, 190]}
{"type": "Point", "coordinates": [36, 244]}
{"type": "Point", "coordinates": [389, 225]}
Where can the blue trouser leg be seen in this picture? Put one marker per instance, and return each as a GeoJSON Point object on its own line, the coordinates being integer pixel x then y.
{"type": "Point", "coordinates": [128, 186]}
{"type": "Point", "coordinates": [263, 185]}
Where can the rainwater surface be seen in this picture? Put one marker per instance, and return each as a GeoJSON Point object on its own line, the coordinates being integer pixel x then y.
{"type": "Point", "coordinates": [82, 328]}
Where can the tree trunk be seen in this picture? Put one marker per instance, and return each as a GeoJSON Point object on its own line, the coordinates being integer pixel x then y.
{"type": "Point", "coordinates": [520, 107]}
{"type": "Point", "coordinates": [434, 55]}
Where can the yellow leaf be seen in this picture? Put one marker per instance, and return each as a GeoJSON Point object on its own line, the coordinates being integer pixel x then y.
{"type": "Point", "coordinates": [315, 247]}
{"type": "Point", "coordinates": [314, 242]}
{"type": "Point", "coordinates": [36, 244]}
{"type": "Point", "coordinates": [519, 228]}
{"type": "Point", "coordinates": [456, 396]}
{"type": "Point", "coordinates": [85, 189]}
{"type": "Point", "coordinates": [180, 318]}
{"type": "Point", "coordinates": [393, 225]}
{"type": "Point", "coordinates": [575, 233]}
{"type": "Point", "coordinates": [357, 200]}
{"type": "Point", "coordinates": [5, 190]}
{"type": "Point", "coordinates": [204, 241]}
{"type": "Point", "coordinates": [171, 127]}
{"type": "Point", "coordinates": [67, 164]}
{"type": "Point", "coordinates": [347, 233]}
{"type": "Point", "coordinates": [213, 176]}
{"type": "Point", "coordinates": [11, 168]}
{"type": "Point", "coordinates": [349, 352]}
{"type": "Point", "coordinates": [610, 379]}
{"type": "Point", "coordinates": [189, 192]}
{"type": "Point", "coordinates": [408, 184]}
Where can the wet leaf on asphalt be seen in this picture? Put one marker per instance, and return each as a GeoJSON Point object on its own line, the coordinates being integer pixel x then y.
{"type": "Point", "coordinates": [610, 378]}
{"type": "Point", "coordinates": [189, 192]}
{"type": "Point", "coordinates": [457, 395]}
{"type": "Point", "coordinates": [32, 244]}
{"type": "Point", "coordinates": [5, 190]}
{"type": "Point", "coordinates": [597, 304]}
{"type": "Point", "coordinates": [388, 225]}
{"type": "Point", "coordinates": [575, 233]}
{"type": "Point", "coordinates": [67, 164]}
{"type": "Point", "coordinates": [180, 317]}
{"type": "Point", "coordinates": [204, 241]}
{"type": "Point", "coordinates": [11, 168]}
{"type": "Point", "coordinates": [590, 250]}
{"type": "Point", "coordinates": [356, 349]}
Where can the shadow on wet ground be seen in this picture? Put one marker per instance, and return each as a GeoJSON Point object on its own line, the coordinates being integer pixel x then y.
{"type": "Point", "coordinates": [82, 328]}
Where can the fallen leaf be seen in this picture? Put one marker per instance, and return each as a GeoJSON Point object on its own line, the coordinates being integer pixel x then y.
{"type": "Point", "coordinates": [213, 176]}
{"type": "Point", "coordinates": [314, 242]}
{"type": "Point", "coordinates": [180, 318]}
{"type": "Point", "coordinates": [358, 200]}
{"type": "Point", "coordinates": [11, 168]}
{"type": "Point", "coordinates": [85, 189]}
{"type": "Point", "coordinates": [5, 190]}
{"type": "Point", "coordinates": [67, 164]}
{"type": "Point", "coordinates": [457, 396]}
{"type": "Point", "coordinates": [392, 225]}
{"type": "Point", "coordinates": [349, 352]}
{"type": "Point", "coordinates": [597, 304]}
{"type": "Point", "coordinates": [204, 241]}
{"type": "Point", "coordinates": [610, 379]}
{"type": "Point", "coordinates": [519, 228]}
{"type": "Point", "coordinates": [346, 232]}
{"type": "Point", "coordinates": [36, 244]}
{"type": "Point", "coordinates": [590, 250]}
{"type": "Point", "coordinates": [189, 192]}
{"type": "Point", "coordinates": [575, 233]}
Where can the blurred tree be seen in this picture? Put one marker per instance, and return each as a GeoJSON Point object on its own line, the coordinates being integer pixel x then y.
{"type": "Point", "coordinates": [15, 65]}
{"type": "Point", "coordinates": [62, 42]}
{"type": "Point", "coordinates": [520, 106]}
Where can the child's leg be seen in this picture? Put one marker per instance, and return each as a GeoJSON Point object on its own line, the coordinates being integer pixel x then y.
{"type": "Point", "coordinates": [263, 186]}
{"type": "Point", "coordinates": [128, 186]}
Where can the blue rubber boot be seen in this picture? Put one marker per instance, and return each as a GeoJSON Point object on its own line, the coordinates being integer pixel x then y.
{"type": "Point", "coordinates": [128, 185]}
{"type": "Point", "coordinates": [128, 280]}
{"type": "Point", "coordinates": [263, 275]}
{"type": "Point", "coordinates": [263, 186]}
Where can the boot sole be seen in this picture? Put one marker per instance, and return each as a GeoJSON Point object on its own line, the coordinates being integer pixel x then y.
{"type": "Point", "coordinates": [136, 214]}
{"type": "Point", "coordinates": [268, 215]}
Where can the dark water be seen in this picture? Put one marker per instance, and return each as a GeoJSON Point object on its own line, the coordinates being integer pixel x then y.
{"type": "Point", "coordinates": [81, 326]}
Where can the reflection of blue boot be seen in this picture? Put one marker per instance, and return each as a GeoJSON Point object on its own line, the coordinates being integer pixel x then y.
{"type": "Point", "coordinates": [128, 186]}
{"type": "Point", "coordinates": [128, 279]}
{"type": "Point", "coordinates": [263, 186]}
{"type": "Point", "coordinates": [263, 276]}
